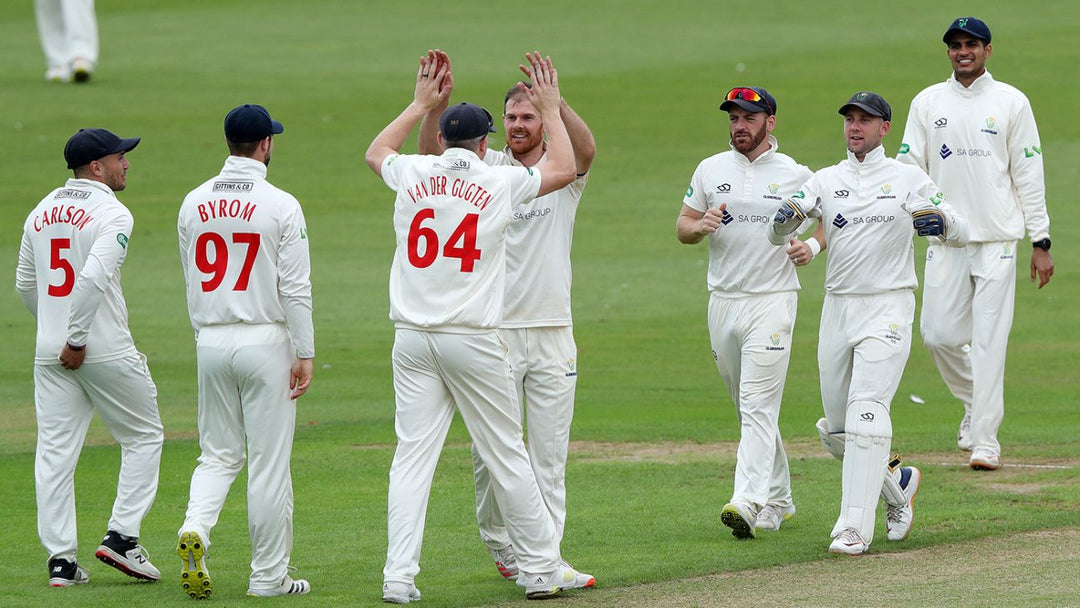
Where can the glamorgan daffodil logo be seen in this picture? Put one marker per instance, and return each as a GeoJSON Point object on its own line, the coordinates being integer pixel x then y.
{"type": "Point", "coordinates": [887, 188]}
{"type": "Point", "coordinates": [775, 339]}
{"type": "Point", "coordinates": [774, 188]}
{"type": "Point", "coordinates": [990, 122]}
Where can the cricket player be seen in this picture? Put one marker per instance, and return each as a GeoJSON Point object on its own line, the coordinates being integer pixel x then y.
{"type": "Point", "coordinates": [73, 245]}
{"type": "Point", "coordinates": [976, 138]}
{"type": "Point", "coordinates": [446, 300]}
{"type": "Point", "coordinates": [69, 38]}
{"type": "Point", "coordinates": [537, 323]}
{"type": "Point", "coordinates": [244, 252]}
{"type": "Point", "coordinates": [869, 204]}
{"type": "Point", "coordinates": [752, 297]}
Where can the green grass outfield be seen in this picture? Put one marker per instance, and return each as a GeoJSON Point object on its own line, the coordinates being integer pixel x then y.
{"type": "Point", "coordinates": [648, 78]}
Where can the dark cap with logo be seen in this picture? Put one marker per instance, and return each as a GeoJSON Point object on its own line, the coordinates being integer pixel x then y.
{"type": "Point", "coordinates": [465, 121]}
{"type": "Point", "coordinates": [92, 144]}
{"type": "Point", "coordinates": [250, 122]}
{"type": "Point", "coordinates": [751, 99]}
{"type": "Point", "coordinates": [871, 103]}
{"type": "Point", "coordinates": [969, 25]}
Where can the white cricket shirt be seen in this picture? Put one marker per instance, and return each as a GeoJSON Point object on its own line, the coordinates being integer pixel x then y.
{"type": "Point", "coordinates": [740, 257]}
{"type": "Point", "coordinates": [450, 218]}
{"type": "Point", "coordinates": [244, 250]}
{"type": "Point", "coordinates": [981, 146]}
{"type": "Point", "coordinates": [538, 242]}
{"type": "Point", "coordinates": [73, 245]}
{"type": "Point", "coordinates": [865, 208]}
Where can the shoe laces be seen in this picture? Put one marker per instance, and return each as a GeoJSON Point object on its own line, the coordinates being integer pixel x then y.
{"type": "Point", "coordinates": [849, 536]}
{"type": "Point", "coordinates": [769, 512]}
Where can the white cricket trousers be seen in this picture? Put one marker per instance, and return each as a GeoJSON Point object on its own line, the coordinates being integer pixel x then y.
{"type": "Point", "coordinates": [124, 394]}
{"type": "Point", "coordinates": [433, 372]}
{"type": "Point", "coordinates": [968, 303]}
{"type": "Point", "coordinates": [543, 361]}
{"type": "Point", "coordinates": [751, 343]}
{"type": "Point", "coordinates": [863, 345]}
{"type": "Point", "coordinates": [68, 30]}
{"type": "Point", "coordinates": [244, 401]}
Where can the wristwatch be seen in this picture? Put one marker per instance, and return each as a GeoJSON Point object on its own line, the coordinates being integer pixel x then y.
{"type": "Point", "coordinates": [1043, 244]}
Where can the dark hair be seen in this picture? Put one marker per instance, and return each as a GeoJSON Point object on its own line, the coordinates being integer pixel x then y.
{"type": "Point", "coordinates": [515, 91]}
{"type": "Point", "coordinates": [246, 148]}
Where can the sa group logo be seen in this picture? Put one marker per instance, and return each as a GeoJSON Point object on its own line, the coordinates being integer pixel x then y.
{"type": "Point", "coordinates": [839, 221]}
{"type": "Point", "coordinates": [727, 218]}
{"type": "Point", "coordinates": [945, 152]}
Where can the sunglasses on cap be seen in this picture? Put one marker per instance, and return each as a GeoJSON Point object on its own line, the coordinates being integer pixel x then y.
{"type": "Point", "coordinates": [747, 94]}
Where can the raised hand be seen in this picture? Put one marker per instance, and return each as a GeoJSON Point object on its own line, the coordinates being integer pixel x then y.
{"type": "Point", "coordinates": [544, 93]}
{"type": "Point", "coordinates": [433, 80]}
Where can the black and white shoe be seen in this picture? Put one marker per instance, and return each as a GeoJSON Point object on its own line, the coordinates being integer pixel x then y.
{"type": "Point", "coordinates": [64, 573]}
{"type": "Point", "coordinates": [126, 555]}
{"type": "Point", "coordinates": [287, 587]}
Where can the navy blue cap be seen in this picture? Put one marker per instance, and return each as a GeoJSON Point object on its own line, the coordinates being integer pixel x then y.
{"type": "Point", "coordinates": [465, 121]}
{"type": "Point", "coordinates": [738, 97]}
{"type": "Point", "coordinates": [871, 103]}
{"type": "Point", "coordinates": [968, 25]}
{"type": "Point", "coordinates": [91, 144]}
{"type": "Point", "coordinates": [250, 122]}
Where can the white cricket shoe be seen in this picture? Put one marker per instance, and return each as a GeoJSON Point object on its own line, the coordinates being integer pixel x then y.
{"type": "Point", "coordinates": [963, 434]}
{"type": "Point", "coordinates": [400, 593]}
{"type": "Point", "coordinates": [848, 542]}
{"type": "Point", "coordinates": [898, 519]}
{"type": "Point", "coordinates": [126, 555]}
{"type": "Point", "coordinates": [58, 73]}
{"type": "Point", "coordinates": [740, 518]}
{"type": "Point", "coordinates": [540, 586]}
{"type": "Point", "coordinates": [984, 459]}
{"type": "Point", "coordinates": [505, 561]}
{"type": "Point", "coordinates": [288, 586]}
{"type": "Point", "coordinates": [772, 516]}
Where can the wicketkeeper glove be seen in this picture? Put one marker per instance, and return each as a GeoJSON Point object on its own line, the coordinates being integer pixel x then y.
{"type": "Point", "coordinates": [928, 222]}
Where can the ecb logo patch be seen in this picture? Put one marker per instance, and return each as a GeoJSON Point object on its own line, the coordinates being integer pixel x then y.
{"type": "Point", "coordinates": [122, 239]}
{"type": "Point", "coordinates": [689, 191]}
{"type": "Point", "coordinates": [904, 149]}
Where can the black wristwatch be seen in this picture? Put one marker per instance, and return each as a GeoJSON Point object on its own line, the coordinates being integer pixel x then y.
{"type": "Point", "coordinates": [1043, 244]}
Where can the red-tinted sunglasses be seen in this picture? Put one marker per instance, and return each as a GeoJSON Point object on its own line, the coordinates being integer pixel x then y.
{"type": "Point", "coordinates": [746, 94]}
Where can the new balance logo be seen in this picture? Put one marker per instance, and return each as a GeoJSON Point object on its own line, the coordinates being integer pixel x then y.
{"type": "Point", "coordinates": [941, 122]}
{"type": "Point", "coordinates": [841, 193]}
{"type": "Point", "coordinates": [727, 218]}
{"type": "Point", "coordinates": [839, 221]}
{"type": "Point", "coordinates": [58, 569]}
{"type": "Point", "coordinates": [945, 152]}
{"type": "Point", "coordinates": [723, 188]}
